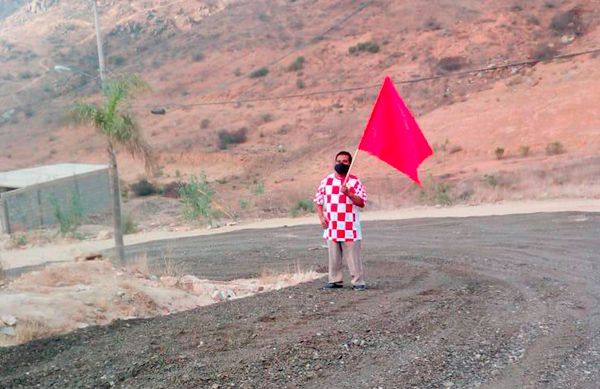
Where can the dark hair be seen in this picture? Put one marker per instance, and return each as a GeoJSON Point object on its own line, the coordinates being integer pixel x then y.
{"type": "Point", "coordinates": [344, 153]}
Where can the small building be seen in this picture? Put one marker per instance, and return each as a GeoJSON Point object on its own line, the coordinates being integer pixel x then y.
{"type": "Point", "coordinates": [30, 198]}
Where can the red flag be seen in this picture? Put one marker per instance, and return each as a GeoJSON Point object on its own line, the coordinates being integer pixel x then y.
{"type": "Point", "coordinates": [393, 135]}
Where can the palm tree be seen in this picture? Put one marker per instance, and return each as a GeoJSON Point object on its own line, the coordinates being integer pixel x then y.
{"type": "Point", "coordinates": [120, 130]}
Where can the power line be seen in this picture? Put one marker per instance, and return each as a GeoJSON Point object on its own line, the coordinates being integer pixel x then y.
{"type": "Point", "coordinates": [406, 81]}
{"type": "Point", "coordinates": [322, 34]}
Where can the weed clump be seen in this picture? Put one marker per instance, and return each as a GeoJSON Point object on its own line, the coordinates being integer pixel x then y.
{"type": "Point", "coordinates": [260, 72]}
{"type": "Point", "coordinates": [144, 188]}
{"type": "Point", "coordinates": [451, 64]}
{"type": "Point", "coordinates": [232, 137]}
{"type": "Point", "coordinates": [297, 65]}
{"type": "Point", "coordinates": [370, 47]}
{"type": "Point", "coordinates": [302, 206]}
{"type": "Point", "coordinates": [554, 148]}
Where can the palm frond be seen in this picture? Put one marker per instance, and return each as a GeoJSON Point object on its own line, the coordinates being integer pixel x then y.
{"type": "Point", "coordinates": [118, 126]}
{"type": "Point", "coordinates": [83, 113]}
{"type": "Point", "coordinates": [127, 134]}
{"type": "Point", "coordinates": [119, 90]}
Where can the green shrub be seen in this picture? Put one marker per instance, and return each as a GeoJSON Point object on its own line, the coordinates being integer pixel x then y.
{"type": "Point", "coordinates": [260, 72]}
{"type": "Point", "coordinates": [298, 64]}
{"type": "Point", "coordinates": [198, 56]}
{"type": "Point", "coordinates": [451, 64]}
{"type": "Point", "coordinates": [302, 206]}
{"type": "Point", "coordinates": [20, 240]}
{"type": "Point", "coordinates": [436, 193]}
{"type": "Point", "coordinates": [491, 180]}
{"type": "Point", "coordinates": [144, 188]}
{"type": "Point", "coordinates": [259, 189]}
{"type": "Point", "coordinates": [370, 47]}
{"type": "Point", "coordinates": [69, 219]}
{"type": "Point", "coordinates": [118, 60]}
{"type": "Point", "coordinates": [266, 117]}
{"type": "Point", "coordinates": [232, 137]}
{"type": "Point", "coordinates": [544, 53]}
{"type": "Point", "coordinates": [499, 152]}
{"type": "Point", "coordinates": [568, 22]}
{"type": "Point", "coordinates": [129, 226]}
{"type": "Point", "coordinates": [300, 84]}
{"type": "Point", "coordinates": [554, 148]}
{"type": "Point", "coordinates": [196, 197]}
{"type": "Point", "coordinates": [205, 123]}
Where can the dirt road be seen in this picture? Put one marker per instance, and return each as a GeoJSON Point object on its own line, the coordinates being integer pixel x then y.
{"type": "Point", "coordinates": [499, 301]}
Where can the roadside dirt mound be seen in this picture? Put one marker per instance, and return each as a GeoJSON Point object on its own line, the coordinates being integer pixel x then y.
{"type": "Point", "coordinates": [62, 298]}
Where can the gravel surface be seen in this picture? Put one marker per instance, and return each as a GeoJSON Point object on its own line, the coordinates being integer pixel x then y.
{"type": "Point", "coordinates": [492, 302]}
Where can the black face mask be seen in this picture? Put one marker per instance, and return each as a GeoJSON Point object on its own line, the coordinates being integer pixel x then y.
{"type": "Point", "coordinates": [341, 168]}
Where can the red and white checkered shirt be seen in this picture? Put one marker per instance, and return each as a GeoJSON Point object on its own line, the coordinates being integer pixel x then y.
{"type": "Point", "coordinates": [343, 216]}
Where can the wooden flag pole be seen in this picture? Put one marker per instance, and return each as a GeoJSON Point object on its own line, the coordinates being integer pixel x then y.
{"type": "Point", "coordinates": [350, 168]}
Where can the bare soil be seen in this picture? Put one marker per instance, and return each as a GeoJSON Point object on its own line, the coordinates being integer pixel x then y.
{"type": "Point", "coordinates": [499, 301]}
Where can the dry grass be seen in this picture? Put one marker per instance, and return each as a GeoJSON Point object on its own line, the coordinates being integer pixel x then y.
{"type": "Point", "coordinates": [103, 303]}
{"type": "Point", "coordinates": [54, 276]}
{"type": "Point", "coordinates": [2, 273]}
{"type": "Point", "coordinates": [295, 273]}
{"type": "Point", "coordinates": [165, 266]}
{"type": "Point", "coordinates": [28, 330]}
{"type": "Point", "coordinates": [25, 331]}
{"type": "Point", "coordinates": [140, 266]}
{"type": "Point", "coordinates": [170, 268]}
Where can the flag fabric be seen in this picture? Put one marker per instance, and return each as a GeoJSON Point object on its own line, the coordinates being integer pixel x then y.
{"type": "Point", "coordinates": [393, 135]}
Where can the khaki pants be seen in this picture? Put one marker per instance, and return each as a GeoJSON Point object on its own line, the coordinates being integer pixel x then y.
{"type": "Point", "coordinates": [351, 252]}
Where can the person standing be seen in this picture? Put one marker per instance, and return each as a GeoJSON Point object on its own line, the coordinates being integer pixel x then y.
{"type": "Point", "coordinates": [338, 210]}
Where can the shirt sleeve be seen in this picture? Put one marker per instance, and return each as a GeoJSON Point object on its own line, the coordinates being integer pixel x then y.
{"type": "Point", "coordinates": [320, 195]}
{"type": "Point", "coordinates": [360, 190]}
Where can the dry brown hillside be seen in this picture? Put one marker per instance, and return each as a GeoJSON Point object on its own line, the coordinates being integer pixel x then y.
{"type": "Point", "coordinates": [526, 131]}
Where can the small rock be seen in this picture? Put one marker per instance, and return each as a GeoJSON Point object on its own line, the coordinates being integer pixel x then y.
{"type": "Point", "coordinates": [168, 281]}
{"type": "Point", "coordinates": [7, 319]}
{"type": "Point", "coordinates": [567, 38]}
{"type": "Point", "coordinates": [198, 288]}
{"type": "Point", "coordinates": [158, 111]}
{"type": "Point", "coordinates": [104, 235]}
{"type": "Point", "coordinates": [187, 282]}
{"type": "Point", "coordinates": [218, 295]}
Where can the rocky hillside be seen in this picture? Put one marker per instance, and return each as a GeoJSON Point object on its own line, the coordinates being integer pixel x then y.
{"type": "Point", "coordinates": [261, 94]}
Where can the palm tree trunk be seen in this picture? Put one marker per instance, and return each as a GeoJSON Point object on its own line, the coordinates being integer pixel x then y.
{"type": "Point", "coordinates": [116, 194]}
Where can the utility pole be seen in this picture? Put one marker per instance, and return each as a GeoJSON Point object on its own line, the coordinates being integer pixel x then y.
{"type": "Point", "coordinates": [99, 42]}
{"type": "Point", "coordinates": [112, 153]}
